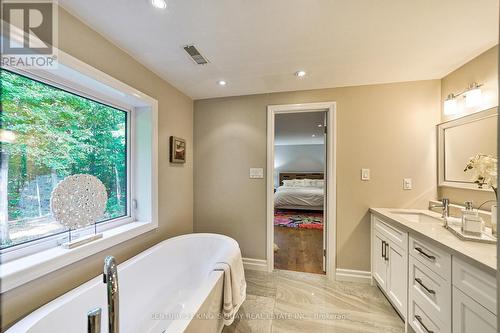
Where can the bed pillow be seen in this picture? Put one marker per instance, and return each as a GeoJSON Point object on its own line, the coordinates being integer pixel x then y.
{"type": "Point", "coordinates": [320, 183]}
{"type": "Point", "coordinates": [300, 183]}
{"type": "Point", "coordinates": [314, 182]}
{"type": "Point", "coordinates": [289, 182]}
{"type": "Point", "coordinates": [309, 182]}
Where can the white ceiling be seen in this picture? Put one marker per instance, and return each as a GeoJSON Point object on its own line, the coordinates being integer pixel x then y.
{"type": "Point", "coordinates": [299, 128]}
{"type": "Point", "coordinates": [257, 45]}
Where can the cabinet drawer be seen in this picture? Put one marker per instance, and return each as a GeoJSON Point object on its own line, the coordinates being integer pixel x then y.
{"type": "Point", "coordinates": [393, 234]}
{"type": "Point", "coordinates": [431, 292]}
{"type": "Point", "coordinates": [423, 323]}
{"type": "Point", "coordinates": [436, 259]}
{"type": "Point", "coordinates": [475, 283]}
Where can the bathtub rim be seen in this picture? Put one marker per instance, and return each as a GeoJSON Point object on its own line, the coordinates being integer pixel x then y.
{"type": "Point", "coordinates": [194, 308]}
{"type": "Point", "coordinates": [32, 318]}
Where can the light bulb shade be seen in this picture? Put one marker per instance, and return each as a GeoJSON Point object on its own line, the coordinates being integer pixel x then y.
{"type": "Point", "coordinates": [450, 106]}
{"type": "Point", "coordinates": [473, 97]}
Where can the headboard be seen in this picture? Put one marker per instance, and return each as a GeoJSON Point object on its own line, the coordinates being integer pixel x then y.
{"type": "Point", "coordinates": [300, 175]}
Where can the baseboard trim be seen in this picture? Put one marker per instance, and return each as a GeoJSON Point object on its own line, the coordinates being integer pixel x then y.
{"type": "Point", "coordinates": [351, 275]}
{"type": "Point", "coordinates": [255, 264]}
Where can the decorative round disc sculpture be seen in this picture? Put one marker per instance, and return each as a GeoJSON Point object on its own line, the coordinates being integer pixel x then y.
{"type": "Point", "coordinates": [78, 201]}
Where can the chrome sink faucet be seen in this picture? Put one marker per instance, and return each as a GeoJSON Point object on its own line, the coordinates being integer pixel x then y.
{"type": "Point", "coordinates": [110, 278]}
{"type": "Point", "coordinates": [445, 204]}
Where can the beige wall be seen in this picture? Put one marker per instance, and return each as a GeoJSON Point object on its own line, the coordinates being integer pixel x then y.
{"type": "Point", "coordinates": [483, 70]}
{"type": "Point", "coordinates": [388, 128]}
{"type": "Point", "coordinates": [175, 181]}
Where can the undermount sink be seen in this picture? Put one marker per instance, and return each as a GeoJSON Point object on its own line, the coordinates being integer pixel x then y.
{"type": "Point", "coordinates": [417, 217]}
{"type": "Point", "coordinates": [453, 224]}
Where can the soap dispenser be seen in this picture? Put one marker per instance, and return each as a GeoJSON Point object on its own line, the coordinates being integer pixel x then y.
{"type": "Point", "coordinates": [468, 207]}
{"type": "Point", "coordinates": [471, 221]}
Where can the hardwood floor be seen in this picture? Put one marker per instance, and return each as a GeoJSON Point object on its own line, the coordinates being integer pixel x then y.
{"type": "Point", "coordinates": [300, 250]}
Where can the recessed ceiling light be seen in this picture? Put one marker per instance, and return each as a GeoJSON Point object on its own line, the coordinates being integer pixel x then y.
{"type": "Point", "coordinates": [160, 4]}
{"type": "Point", "coordinates": [314, 135]}
{"type": "Point", "coordinates": [319, 125]}
{"type": "Point", "coordinates": [221, 83]}
{"type": "Point", "coordinates": [300, 73]}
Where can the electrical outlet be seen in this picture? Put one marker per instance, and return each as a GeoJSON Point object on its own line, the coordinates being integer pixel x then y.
{"type": "Point", "coordinates": [365, 174]}
{"type": "Point", "coordinates": [407, 184]}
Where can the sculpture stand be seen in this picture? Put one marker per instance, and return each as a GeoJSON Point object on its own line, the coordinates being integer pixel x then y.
{"type": "Point", "coordinates": [71, 244]}
{"type": "Point", "coordinates": [81, 241]}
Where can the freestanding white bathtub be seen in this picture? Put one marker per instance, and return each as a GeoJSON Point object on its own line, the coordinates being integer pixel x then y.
{"type": "Point", "coordinates": [170, 287]}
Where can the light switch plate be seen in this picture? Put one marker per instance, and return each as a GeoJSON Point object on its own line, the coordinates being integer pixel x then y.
{"type": "Point", "coordinates": [256, 173]}
{"type": "Point", "coordinates": [365, 174]}
{"type": "Point", "coordinates": [407, 184]}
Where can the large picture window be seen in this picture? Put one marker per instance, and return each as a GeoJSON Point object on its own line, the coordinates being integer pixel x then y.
{"type": "Point", "coordinates": [47, 134]}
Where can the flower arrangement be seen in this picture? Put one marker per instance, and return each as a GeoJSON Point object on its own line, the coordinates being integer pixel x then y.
{"type": "Point", "coordinates": [484, 168]}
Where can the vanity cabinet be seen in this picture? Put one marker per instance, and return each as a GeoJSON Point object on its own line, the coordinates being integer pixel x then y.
{"type": "Point", "coordinates": [432, 289]}
{"type": "Point", "coordinates": [474, 299]}
{"type": "Point", "coordinates": [390, 263]}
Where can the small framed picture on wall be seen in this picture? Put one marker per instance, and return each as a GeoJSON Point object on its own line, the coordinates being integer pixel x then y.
{"type": "Point", "coordinates": [177, 150]}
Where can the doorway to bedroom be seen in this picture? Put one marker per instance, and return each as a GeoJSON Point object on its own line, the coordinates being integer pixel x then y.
{"type": "Point", "coordinates": [299, 165]}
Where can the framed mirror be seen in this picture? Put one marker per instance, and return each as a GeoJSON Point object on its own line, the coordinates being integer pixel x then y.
{"type": "Point", "coordinates": [459, 140]}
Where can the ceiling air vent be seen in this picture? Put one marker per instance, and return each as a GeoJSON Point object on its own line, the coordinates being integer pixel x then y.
{"type": "Point", "coordinates": [195, 55]}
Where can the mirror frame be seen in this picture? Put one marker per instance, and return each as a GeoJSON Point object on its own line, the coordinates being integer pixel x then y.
{"type": "Point", "coordinates": [442, 182]}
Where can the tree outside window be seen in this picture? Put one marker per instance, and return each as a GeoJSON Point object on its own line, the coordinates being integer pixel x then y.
{"type": "Point", "coordinates": [46, 134]}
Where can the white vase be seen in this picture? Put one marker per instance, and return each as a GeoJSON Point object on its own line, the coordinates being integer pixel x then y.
{"type": "Point", "coordinates": [494, 220]}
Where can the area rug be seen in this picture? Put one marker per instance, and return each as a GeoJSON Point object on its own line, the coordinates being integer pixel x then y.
{"type": "Point", "coordinates": [298, 219]}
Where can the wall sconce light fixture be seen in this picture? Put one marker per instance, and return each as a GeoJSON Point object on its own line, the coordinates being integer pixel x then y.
{"type": "Point", "coordinates": [450, 105]}
{"type": "Point", "coordinates": [472, 97]}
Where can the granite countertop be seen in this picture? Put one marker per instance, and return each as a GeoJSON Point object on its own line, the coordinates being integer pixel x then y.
{"type": "Point", "coordinates": [479, 254]}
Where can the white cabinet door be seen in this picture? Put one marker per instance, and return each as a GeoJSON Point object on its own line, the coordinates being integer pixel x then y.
{"type": "Point", "coordinates": [379, 260]}
{"type": "Point", "coordinates": [397, 277]}
{"type": "Point", "coordinates": [470, 317]}
{"type": "Point", "coordinates": [479, 285]}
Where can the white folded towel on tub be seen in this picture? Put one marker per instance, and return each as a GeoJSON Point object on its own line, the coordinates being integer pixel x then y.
{"type": "Point", "coordinates": [235, 286]}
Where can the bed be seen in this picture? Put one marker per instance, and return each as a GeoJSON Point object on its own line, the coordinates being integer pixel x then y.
{"type": "Point", "coordinates": [303, 190]}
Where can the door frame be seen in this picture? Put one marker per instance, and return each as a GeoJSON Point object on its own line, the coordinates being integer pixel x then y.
{"type": "Point", "coordinates": [331, 188]}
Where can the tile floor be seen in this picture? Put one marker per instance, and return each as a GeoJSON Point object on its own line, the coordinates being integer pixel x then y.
{"type": "Point", "coordinates": [285, 301]}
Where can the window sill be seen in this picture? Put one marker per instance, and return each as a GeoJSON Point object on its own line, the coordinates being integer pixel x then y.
{"type": "Point", "coordinates": [23, 270]}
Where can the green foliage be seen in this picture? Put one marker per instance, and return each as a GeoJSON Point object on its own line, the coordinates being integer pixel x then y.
{"type": "Point", "coordinates": [58, 134]}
